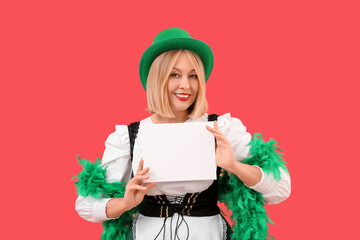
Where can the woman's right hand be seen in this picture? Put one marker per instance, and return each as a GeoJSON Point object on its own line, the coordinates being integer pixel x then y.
{"type": "Point", "coordinates": [135, 190]}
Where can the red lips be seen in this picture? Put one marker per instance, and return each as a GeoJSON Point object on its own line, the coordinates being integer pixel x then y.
{"type": "Point", "coordinates": [183, 98]}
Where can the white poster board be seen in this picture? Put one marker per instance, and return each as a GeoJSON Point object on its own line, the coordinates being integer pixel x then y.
{"type": "Point", "coordinates": [179, 151]}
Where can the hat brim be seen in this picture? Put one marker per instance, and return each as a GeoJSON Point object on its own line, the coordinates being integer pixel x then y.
{"type": "Point", "coordinates": [199, 47]}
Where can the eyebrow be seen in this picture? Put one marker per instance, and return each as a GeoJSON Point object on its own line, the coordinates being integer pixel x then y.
{"type": "Point", "coordinates": [180, 70]}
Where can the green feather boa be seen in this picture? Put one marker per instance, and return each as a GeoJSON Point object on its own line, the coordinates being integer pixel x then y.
{"type": "Point", "coordinates": [248, 213]}
{"type": "Point", "coordinates": [92, 182]}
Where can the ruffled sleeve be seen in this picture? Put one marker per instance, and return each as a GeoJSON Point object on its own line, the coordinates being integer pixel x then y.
{"type": "Point", "coordinates": [116, 160]}
{"type": "Point", "coordinates": [273, 191]}
{"type": "Point", "coordinates": [235, 132]}
{"type": "Point", "coordinates": [117, 155]}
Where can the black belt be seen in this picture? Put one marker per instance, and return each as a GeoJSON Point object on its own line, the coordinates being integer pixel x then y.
{"type": "Point", "coordinates": [193, 204]}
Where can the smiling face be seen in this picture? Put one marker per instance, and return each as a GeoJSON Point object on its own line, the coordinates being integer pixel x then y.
{"type": "Point", "coordinates": [183, 84]}
{"type": "Point", "coordinates": [176, 85]}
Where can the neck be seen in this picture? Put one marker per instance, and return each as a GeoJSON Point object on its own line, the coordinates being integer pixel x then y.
{"type": "Point", "coordinates": [180, 117]}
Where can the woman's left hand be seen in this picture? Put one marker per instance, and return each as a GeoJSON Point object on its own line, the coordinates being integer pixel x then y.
{"type": "Point", "coordinates": [224, 153]}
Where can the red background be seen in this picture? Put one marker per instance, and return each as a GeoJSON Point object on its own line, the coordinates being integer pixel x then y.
{"type": "Point", "coordinates": [69, 73]}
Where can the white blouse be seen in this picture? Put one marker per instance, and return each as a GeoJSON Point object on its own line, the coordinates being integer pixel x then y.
{"type": "Point", "coordinates": [117, 160]}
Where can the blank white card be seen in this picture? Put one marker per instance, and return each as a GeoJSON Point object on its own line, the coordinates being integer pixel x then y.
{"type": "Point", "coordinates": [179, 151]}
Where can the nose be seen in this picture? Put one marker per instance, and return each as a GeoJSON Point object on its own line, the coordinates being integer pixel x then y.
{"type": "Point", "coordinates": [184, 82]}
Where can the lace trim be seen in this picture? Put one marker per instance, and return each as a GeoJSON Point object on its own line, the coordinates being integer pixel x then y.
{"type": "Point", "coordinates": [175, 199]}
{"type": "Point", "coordinates": [134, 225]}
{"type": "Point", "coordinates": [224, 229]}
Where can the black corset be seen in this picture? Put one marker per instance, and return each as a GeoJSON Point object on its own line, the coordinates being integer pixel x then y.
{"type": "Point", "coordinates": [193, 204]}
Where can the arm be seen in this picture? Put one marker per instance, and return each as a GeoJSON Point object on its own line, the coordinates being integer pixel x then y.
{"type": "Point", "coordinates": [233, 133]}
{"type": "Point", "coordinates": [92, 209]}
{"type": "Point", "coordinates": [100, 209]}
{"type": "Point", "coordinates": [134, 194]}
{"type": "Point", "coordinates": [273, 191]}
{"type": "Point", "coordinates": [225, 158]}
{"type": "Point", "coordinates": [116, 160]}
{"type": "Point", "coordinates": [248, 174]}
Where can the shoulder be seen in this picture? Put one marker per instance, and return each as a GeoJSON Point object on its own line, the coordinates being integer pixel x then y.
{"type": "Point", "coordinates": [121, 134]}
{"type": "Point", "coordinates": [225, 122]}
{"type": "Point", "coordinates": [119, 137]}
{"type": "Point", "coordinates": [228, 123]}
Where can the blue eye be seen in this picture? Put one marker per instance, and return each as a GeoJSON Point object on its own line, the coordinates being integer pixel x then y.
{"type": "Point", "coordinates": [193, 76]}
{"type": "Point", "coordinates": [174, 75]}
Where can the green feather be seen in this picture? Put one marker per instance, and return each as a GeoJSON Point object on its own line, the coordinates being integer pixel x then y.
{"type": "Point", "coordinates": [92, 182]}
{"type": "Point", "coordinates": [249, 218]}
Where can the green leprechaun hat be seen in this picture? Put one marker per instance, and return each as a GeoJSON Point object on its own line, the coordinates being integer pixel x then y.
{"type": "Point", "coordinates": [175, 38]}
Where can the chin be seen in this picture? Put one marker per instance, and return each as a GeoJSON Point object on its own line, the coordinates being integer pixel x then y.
{"type": "Point", "coordinates": [181, 107]}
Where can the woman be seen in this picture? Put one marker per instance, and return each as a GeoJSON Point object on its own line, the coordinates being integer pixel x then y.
{"type": "Point", "coordinates": [173, 71]}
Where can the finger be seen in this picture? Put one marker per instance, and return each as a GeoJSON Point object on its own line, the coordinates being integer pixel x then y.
{"type": "Point", "coordinates": [213, 130]}
{"type": "Point", "coordinates": [142, 172]}
{"type": "Point", "coordinates": [141, 165]}
{"type": "Point", "coordinates": [136, 187]}
{"type": "Point", "coordinates": [221, 139]}
{"type": "Point", "coordinates": [218, 140]}
{"type": "Point", "coordinates": [209, 129]}
{"type": "Point", "coordinates": [150, 185]}
{"type": "Point", "coordinates": [219, 136]}
{"type": "Point", "coordinates": [216, 125]}
{"type": "Point", "coordinates": [138, 178]}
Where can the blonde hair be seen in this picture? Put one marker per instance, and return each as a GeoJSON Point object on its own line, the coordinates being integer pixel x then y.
{"type": "Point", "coordinates": [157, 81]}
